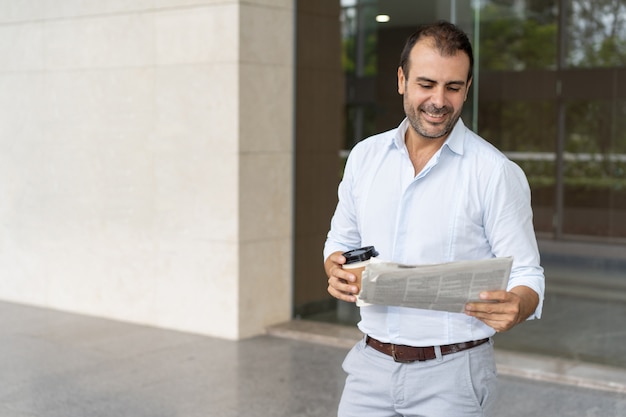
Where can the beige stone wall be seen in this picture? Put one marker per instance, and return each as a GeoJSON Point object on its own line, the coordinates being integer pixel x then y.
{"type": "Point", "coordinates": [266, 159]}
{"type": "Point", "coordinates": [146, 160]}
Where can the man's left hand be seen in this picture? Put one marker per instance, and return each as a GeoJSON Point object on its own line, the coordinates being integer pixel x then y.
{"type": "Point", "coordinates": [502, 310]}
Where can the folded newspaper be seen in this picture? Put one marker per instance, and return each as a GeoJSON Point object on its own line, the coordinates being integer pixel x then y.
{"type": "Point", "coordinates": [445, 287]}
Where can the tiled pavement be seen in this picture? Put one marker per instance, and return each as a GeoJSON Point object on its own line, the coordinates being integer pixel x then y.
{"type": "Point", "coordinates": [56, 364]}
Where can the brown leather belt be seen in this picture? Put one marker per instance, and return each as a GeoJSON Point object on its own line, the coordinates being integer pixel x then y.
{"type": "Point", "coordinates": [407, 354]}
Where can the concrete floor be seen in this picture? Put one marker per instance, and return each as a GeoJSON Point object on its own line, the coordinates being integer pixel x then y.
{"type": "Point", "coordinates": [57, 364]}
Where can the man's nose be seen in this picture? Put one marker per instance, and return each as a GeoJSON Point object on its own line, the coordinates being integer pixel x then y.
{"type": "Point", "coordinates": [438, 97]}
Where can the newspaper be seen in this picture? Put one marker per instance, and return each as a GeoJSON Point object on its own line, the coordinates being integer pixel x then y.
{"type": "Point", "coordinates": [444, 287]}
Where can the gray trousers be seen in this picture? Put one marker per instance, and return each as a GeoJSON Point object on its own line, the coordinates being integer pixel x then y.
{"type": "Point", "coordinates": [457, 385]}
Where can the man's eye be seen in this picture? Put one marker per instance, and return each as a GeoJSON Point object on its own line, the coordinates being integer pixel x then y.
{"type": "Point", "coordinates": [454, 89]}
{"type": "Point", "coordinates": [426, 86]}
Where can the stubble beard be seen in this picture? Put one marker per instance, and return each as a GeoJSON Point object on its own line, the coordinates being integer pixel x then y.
{"type": "Point", "coordinates": [419, 125]}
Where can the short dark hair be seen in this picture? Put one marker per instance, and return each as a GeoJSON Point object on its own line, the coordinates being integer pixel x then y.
{"type": "Point", "coordinates": [448, 40]}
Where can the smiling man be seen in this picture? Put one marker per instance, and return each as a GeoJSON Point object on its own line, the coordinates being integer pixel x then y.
{"type": "Point", "coordinates": [432, 191]}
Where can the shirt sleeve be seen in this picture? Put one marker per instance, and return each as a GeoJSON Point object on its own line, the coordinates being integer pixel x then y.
{"type": "Point", "coordinates": [344, 234]}
{"type": "Point", "coordinates": [509, 228]}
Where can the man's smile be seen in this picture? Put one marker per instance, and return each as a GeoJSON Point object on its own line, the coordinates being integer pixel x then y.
{"type": "Point", "coordinates": [435, 117]}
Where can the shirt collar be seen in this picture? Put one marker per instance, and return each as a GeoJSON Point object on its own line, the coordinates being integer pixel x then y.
{"type": "Point", "coordinates": [454, 141]}
{"type": "Point", "coordinates": [456, 138]}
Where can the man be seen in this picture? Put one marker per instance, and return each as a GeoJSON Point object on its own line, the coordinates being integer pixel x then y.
{"type": "Point", "coordinates": [432, 191]}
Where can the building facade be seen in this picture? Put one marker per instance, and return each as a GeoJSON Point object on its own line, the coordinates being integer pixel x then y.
{"type": "Point", "coordinates": [147, 160]}
{"type": "Point", "coordinates": [175, 162]}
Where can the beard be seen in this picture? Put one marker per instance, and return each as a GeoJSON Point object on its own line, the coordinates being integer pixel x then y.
{"type": "Point", "coordinates": [427, 129]}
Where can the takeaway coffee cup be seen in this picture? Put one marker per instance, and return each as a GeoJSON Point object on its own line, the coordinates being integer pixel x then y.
{"type": "Point", "coordinates": [357, 260]}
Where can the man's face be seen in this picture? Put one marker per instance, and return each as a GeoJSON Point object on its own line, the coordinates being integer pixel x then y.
{"type": "Point", "coordinates": [434, 92]}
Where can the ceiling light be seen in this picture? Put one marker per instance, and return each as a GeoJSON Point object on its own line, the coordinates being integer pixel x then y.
{"type": "Point", "coordinates": [382, 18]}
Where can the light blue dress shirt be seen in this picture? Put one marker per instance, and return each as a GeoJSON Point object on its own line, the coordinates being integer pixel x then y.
{"type": "Point", "coordinates": [469, 202]}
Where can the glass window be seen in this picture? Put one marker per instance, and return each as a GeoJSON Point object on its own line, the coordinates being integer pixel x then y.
{"type": "Point", "coordinates": [549, 90]}
{"type": "Point", "coordinates": [596, 33]}
{"type": "Point", "coordinates": [595, 169]}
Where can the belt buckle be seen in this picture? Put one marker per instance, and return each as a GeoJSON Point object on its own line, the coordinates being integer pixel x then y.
{"type": "Point", "coordinates": [395, 357]}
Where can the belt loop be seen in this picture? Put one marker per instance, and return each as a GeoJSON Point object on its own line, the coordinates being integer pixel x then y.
{"type": "Point", "coordinates": [394, 354]}
{"type": "Point", "coordinates": [363, 342]}
{"type": "Point", "coordinates": [438, 353]}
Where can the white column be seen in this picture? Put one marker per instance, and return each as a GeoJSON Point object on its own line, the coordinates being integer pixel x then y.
{"type": "Point", "coordinates": [145, 160]}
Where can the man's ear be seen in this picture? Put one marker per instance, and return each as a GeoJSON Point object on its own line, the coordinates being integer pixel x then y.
{"type": "Point", "coordinates": [469, 84]}
{"type": "Point", "coordinates": [401, 81]}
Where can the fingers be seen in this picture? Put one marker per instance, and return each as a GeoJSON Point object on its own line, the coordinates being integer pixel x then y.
{"type": "Point", "coordinates": [500, 310]}
{"type": "Point", "coordinates": [334, 260]}
{"type": "Point", "coordinates": [499, 296]}
{"type": "Point", "coordinates": [340, 282]}
{"type": "Point", "coordinates": [341, 290]}
{"type": "Point", "coordinates": [499, 322]}
{"type": "Point", "coordinates": [492, 303]}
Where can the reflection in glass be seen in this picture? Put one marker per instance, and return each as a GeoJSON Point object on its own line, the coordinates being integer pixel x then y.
{"type": "Point", "coordinates": [596, 33]}
{"type": "Point", "coordinates": [595, 169]}
{"type": "Point", "coordinates": [517, 37]}
{"type": "Point", "coordinates": [550, 92]}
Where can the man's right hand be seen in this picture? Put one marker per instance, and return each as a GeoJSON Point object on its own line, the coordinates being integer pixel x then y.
{"type": "Point", "coordinates": [340, 282]}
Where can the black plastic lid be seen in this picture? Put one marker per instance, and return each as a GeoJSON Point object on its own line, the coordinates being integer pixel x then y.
{"type": "Point", "coordinates": [360, 255]}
